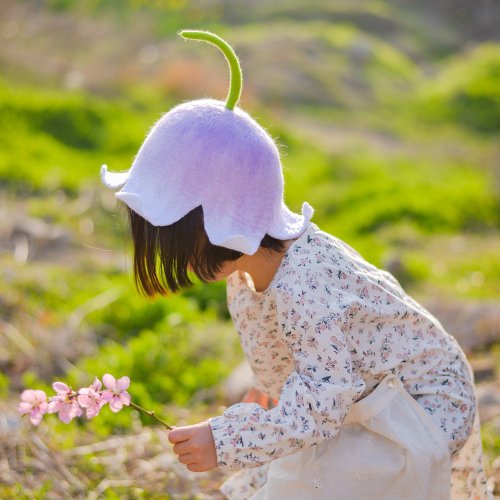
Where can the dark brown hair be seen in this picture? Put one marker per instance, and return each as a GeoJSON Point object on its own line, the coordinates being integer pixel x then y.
{"type": "Point", "coordinates": [162, 253]}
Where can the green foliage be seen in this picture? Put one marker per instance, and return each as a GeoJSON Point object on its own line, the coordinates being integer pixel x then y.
{"type": "Point", "coordinates": [55, 136]}
{"type": "Point", "coordinates": [17, 491]}
{"type": "Point", "coordinates": [467, 91]}
{"type": "Point", "coordinates": [210, 297]}
{"type": "Point", "coordinates": [74, 120]}
{"type": "Point", "coordinates": [455, 272]}
{"type": "Point", "coordinates": [361, 192]}
{"type": "Point", "coordinates": [132, 313]}
{"type": "Point", "coordinates": [334, 65]}
{"type": "Point", "coordinates": [31, 381]}
{"type": "Point", "coordinates": [170, 364]}
{"type": "Point", "coordinates": [491, 438]}
{"type": "Point", "coordinates": [457, 198]}
{"type": "Point", "coordinates": [4, 385]}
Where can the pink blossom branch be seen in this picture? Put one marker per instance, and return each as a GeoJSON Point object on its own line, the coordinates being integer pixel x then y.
{"type": "Point", "coordinates": [87, 401]}
{"type": "Point", "coordinates": [151, 414]}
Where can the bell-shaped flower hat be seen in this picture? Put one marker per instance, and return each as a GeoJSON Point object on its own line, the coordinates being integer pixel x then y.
{"type": "Point", "coordinates": [211, 153]}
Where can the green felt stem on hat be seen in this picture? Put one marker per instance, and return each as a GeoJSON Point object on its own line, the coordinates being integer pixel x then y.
{"type": "Point", "coordinates": [235, 75]}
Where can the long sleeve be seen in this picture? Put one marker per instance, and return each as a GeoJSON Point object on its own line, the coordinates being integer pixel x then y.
{"type": "Point", "coordinates": [315, 397]}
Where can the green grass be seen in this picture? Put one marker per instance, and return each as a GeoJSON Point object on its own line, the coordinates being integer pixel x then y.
{"type": "Point", "coordinates": [59, 139]}
{"type": "Point", "coordinates": [466, 91]}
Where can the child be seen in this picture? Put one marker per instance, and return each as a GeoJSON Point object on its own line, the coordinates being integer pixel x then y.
{"type": "Point", "coordinates": [375, 398]}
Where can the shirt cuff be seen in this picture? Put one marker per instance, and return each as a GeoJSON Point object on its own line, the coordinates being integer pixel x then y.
{"type": "Point", "coordinates": [228, 441]}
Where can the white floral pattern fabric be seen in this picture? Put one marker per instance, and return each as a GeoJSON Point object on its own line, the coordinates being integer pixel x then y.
{"type": "Point", "coordinates": [326, 331]}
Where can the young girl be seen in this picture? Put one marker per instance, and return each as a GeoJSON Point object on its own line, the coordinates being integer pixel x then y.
{"type": "Point", "coordinates": [375, 400]}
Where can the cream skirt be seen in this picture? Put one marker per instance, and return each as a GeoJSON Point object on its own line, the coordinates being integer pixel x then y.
{"type": "Point", "coordinates": [388, 448]}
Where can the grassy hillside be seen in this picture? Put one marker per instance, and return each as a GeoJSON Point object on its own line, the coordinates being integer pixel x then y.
{"type": "Point", "coordinates": [387, 127]}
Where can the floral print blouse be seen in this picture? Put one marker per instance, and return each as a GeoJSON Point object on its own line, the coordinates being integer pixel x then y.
{"type": "Point", "coordinates": [328, 328]}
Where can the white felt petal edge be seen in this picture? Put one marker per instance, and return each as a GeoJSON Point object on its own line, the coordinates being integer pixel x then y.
{"type": "Point", "coordinates": [113, 180]}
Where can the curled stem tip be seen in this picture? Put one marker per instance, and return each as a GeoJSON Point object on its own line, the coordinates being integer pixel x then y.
{"type": "Point", "coordinates": [235, 75]}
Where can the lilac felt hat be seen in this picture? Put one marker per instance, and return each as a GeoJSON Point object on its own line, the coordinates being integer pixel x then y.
{"type": "Point", "coordinates": [210, 153]}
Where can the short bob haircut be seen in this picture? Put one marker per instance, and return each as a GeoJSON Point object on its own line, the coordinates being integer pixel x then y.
{"type": "Point", "coordinates": [162, 254]}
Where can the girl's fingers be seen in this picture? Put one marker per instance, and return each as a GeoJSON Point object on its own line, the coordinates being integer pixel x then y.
{"type": "Point", "coordinates": [186, 459]}
{"type": "Point", "coordinates": [179, 434]}
{"type": "Point", "coordinates": [181, 448]}
{"type": "Point", "coordinates": [196, 468]}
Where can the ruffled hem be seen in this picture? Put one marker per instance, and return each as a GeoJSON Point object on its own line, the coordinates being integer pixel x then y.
{"type": "Point", "coordinates": [284, 224]}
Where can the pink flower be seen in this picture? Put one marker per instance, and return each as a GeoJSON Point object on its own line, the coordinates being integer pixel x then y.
{"type": "Point", "coordinates": [35, 403]}
{"type": "Point", "coordinates": [90, 398]}
{"type": "Point", "coordinates": [116, 394]}
{"type": "Point", "coordinates": [64, 403]}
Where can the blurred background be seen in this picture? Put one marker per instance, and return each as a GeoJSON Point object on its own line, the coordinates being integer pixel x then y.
{"type": "Point", "coordinates": [388, 113]}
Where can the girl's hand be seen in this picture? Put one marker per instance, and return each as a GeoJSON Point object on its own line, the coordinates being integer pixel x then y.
{"type": "Point", "coordinates": [259, 397]}
{"type": "Point", "coordinates": [195, 446]}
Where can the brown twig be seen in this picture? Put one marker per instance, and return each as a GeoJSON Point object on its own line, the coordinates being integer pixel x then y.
{"type": "Point", "coordinates": [151, 414]}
